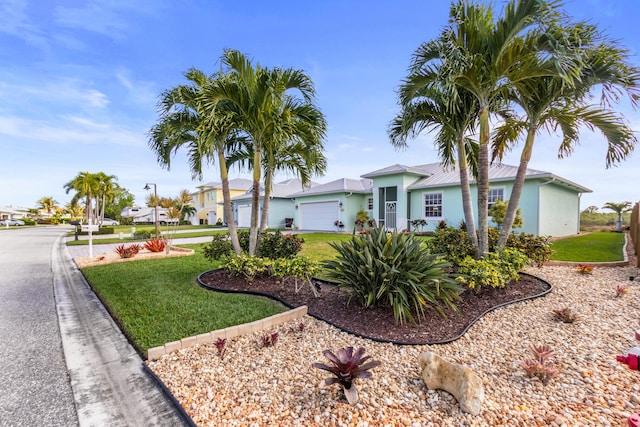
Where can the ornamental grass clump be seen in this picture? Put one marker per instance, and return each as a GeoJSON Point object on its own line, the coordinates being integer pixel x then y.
{"type": "Point", "coordinates": [382, 269]}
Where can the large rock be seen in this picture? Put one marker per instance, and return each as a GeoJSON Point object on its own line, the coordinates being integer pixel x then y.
{"type": "Point", "coordinates": [459, 380]}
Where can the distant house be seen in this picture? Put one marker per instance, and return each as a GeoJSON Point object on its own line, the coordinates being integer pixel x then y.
{"type": "Point", "coordinates": [209, 202]}
{"type": "Point", "coordinates": [146, 215]}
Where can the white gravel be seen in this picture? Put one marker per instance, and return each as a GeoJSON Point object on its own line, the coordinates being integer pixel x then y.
{"type": "Point", "coordinates": [255, 386]}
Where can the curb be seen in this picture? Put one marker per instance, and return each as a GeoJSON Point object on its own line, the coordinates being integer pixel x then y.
{"type": "Point", "coordinates": [231, 332]}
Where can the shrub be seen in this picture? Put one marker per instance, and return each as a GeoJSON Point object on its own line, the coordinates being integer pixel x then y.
{"type": "Point", "coordinates": [219, 247]}
{"type": "Point", "coordinates": [495, 270]}
{"type": "Point", "coordinates": [452, 243]}
{"type": "Point", "coordinates": [155, 245]}
{"type": "Point", "coordinates": [537, 248]}
{"type": "Point", "coordinates": [142, 235]}
{"type": "Point", "coordinates": [297, 268]}
{"type": "Point", "coordinates": [277, 245]}
{"type": "Point", "coordinates": [394, 270]}
{"type": "Point", "coordinates": [246, 265]}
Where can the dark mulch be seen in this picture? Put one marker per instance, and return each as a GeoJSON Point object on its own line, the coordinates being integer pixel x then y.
{"type": "Point", "coordinates": [378, 323]}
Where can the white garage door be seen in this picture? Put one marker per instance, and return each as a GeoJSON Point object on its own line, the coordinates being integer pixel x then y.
{"type": "Point", "coordinates": [318, 215]}
{"type": "Point", "coordinates": [244, 216]}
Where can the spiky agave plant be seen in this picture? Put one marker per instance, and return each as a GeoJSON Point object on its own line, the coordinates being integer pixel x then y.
{"type": "Point", "coordinates": [347, 366]}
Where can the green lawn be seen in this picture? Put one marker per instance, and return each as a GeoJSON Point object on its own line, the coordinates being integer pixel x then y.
{"type": "Point", "coordinates": [592, 247]}
{"type": "Point", "coordinates": [159, 301]}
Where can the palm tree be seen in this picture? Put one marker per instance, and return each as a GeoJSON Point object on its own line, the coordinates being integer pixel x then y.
{"type": "Point", "coordinates": [618, 208]}
{"type": "Point", "coordinates": [484, 57]}
{"type": "Point", "coordinates": [85, 185]}
{"type": "Point", "coordinates": [550, 102]}
{"type": "Point", "coordinates": [262, 105]}
{"type": "Point", "coordinates": [183, 204]}
{"type": "Point", "coordinates": [105, 192]}
{"type": "Point", "coordinates": [47, 204]}
{"type": "Point", "coordinates": [427, 108]}
{"type": "Point", "coordinates": [204, 128]}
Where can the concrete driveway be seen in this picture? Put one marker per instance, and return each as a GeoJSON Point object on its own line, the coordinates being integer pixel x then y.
{"type": "Point", "coordinates": [65, 362]}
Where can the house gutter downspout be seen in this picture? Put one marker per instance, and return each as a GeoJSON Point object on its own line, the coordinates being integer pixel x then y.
{"type": "Point", "coordinates": [539, 202]}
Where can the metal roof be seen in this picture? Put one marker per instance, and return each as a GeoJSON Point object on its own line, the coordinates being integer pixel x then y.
{"type": "Point", "coordinates": [342, 185]}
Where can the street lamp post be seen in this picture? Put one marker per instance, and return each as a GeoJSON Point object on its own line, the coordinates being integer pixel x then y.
{"type": "Point", "coordinates": [155, 204]}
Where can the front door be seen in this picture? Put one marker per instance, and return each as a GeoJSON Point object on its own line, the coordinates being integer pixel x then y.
{"type": "Point", "coordinates": [390, 214]}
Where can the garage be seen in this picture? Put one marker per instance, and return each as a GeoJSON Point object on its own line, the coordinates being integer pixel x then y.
{"type": "Point", "coordinates": [318, 215]}
{"type": "Point", "coordinates": [244, 216]}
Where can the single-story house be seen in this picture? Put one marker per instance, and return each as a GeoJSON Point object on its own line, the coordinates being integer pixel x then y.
{"type": "Point", "coordinates": [550, 204]}
{"type": "Point", "coordinates": [146, 215]}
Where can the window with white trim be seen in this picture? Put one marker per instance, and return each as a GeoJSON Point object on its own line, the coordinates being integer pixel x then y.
{"type": "Point", "coordinates": [370, 204]}
{"type": "Point", "coordinates": [433, 205]}
{"type": "Point", "coordinates": [495, 194]}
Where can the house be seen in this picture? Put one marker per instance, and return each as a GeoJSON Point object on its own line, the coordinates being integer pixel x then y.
{"type": "Point", "coordinates": [209, 202]}
{"type": "Point", "coordinates": [281, 204]}
{"type": "Point", "coordinates": [322, 206]}
{"type": "Point", "coordinates": [550, 204]}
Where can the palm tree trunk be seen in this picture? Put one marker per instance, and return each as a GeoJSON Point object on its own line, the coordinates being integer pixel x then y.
{"type": "Point", "coordinates": [467, 205]}
{"type": "Point", "coordinates": [516, 192]}
{"type": "Point", "coordinates": [226, 200]}
{"type": "Point", "coordinates": [483, 183]}
{"type": "Point", "coordinates": [264, 219]}
{"type": "Point", "coordinates": [255, 202]}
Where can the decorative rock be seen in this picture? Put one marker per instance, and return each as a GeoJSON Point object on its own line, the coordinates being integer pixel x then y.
{"type": "Point", "coordinates": [459, 380]}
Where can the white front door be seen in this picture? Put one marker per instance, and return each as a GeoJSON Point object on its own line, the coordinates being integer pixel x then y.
{"type": "Point", "coordinates": [319, 216]}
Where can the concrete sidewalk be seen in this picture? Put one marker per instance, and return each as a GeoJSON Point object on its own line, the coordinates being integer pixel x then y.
{"type": "Point", "coordinates": [109, 382]}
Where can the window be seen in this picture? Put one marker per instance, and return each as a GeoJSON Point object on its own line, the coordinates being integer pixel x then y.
{"type": "Point", "coordinates": [370, 204]}
{"type": "Point", "coordinates": [433, 205]}
{"type": "Point", "coordinates": [495, 194]}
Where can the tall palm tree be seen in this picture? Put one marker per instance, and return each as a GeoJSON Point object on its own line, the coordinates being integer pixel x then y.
{"type": "Point", "coordinates": [427, 108]}
{"type": "Point", "coordinates": [203, 128]}
{"type": "Point", "coordinates": [105, 192]}
{"type": "Point", "coordinates": [266, 106]}
{"type": "Point", "coordinates": [550, 102]}
{"type": "Point", "coordinates": [484, 57]}
{"type": "Point", "coordinates": [85, 185]}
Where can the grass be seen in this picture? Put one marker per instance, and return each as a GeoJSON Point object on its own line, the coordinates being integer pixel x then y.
{"type": "Point", "coordinates": [592, 247]}
{"type": "Point", "coordinates": [159, 301]}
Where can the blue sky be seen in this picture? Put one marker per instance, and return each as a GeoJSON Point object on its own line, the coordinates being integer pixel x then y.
{"type": "Point", "coordinates": [79, 82]}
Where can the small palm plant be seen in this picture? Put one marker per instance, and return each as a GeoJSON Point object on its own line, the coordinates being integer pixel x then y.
{"type": "Point", "coordinates": [347, 366]}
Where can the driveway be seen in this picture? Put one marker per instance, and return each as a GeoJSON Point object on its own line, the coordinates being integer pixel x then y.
{"type": "Point", "coordinates": [65, 362]}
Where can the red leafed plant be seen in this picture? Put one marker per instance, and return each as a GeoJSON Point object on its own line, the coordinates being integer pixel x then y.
{"type": "Point", "coordinates": [128, 251]}
{"type": "Point", "coordinates": [270, 340]}
{"type": "Point", "coordinates": [621, 290]}
{"type": "Point", "coordinates": [584, 269]}
{"type": "Point", "coordinates": [220, 344]}
{"type": "Point", "coordinates": [541, 365]}
{"type": "Point", "coordinates": [564, 315]}
{"type": "Point", "coordinates": [347, 366]}
{"type": "Point", "coordinates": [155, 245]}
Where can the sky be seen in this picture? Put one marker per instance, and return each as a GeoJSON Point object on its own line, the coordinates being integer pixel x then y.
{"type": "Point", "coordinates": [80, 81]}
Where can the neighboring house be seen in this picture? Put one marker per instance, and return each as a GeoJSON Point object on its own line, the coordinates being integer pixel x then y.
{"type": "Point", "coordinates": [12, 213]}
{"type": "Point", "coordinates": [281, 205]}
{"type": "Point", "coordinates": [146, 215]}
{"type": "Point", "coordinates": [320, 207]}
{"type": "Point", "coordinates": [208, 200]}
{"type": "Point", "coordinates": [550, 204]}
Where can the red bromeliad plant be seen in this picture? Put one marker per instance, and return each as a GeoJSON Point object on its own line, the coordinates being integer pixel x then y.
{"type": "Point", "coordinates": [127, 252]}
{"type": "Point", "coordinates": [347, 366]}
{"type": "Point", "coordinates": [584, 269]}
{"type": "Point", "coordinates": [155, 245]}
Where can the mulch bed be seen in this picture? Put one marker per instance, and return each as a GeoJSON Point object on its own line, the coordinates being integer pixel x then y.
{"type": "Point", "coordinates": [378, 323]}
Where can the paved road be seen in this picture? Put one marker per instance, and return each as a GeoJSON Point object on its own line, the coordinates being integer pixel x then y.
{"type": "Point", "coordinates": [65, 363]}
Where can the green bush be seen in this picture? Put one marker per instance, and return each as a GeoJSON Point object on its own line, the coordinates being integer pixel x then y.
{"type": "Point", "coordinates": [143, 234]}
{"type": "Point", "coordinates": [277, 245]}
{"type": "Point", "coordinates": [495, 270]}
{"type": "Point", "coordinates": [248, 266]}
{"type": "Point", "coordinates": [296, 268]}
{"type": "Point", "coordinates": [394, 270]}
{"type": "Point", "coordinates": [220, 246]}
{"type": "Point", "coordinates": [452, 243]}
{"type": "Point", "coordinates": [537, 248]}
